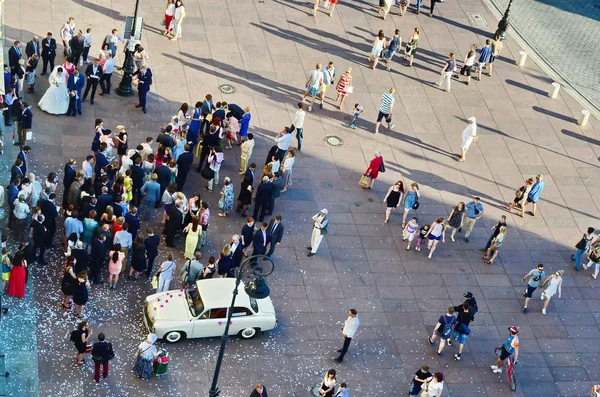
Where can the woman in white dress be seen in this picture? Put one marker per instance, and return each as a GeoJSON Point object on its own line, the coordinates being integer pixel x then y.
{"type": "Point", "coordinates": [554, 283]}
{"type": "Point", "coordinates": [468, 137]}
{"type": "Point", "coordinates": [286, 167]}
{"type": "Point", "coordinates": [56, 98]}
{"type": "Point", "coordinates": [377, 50]}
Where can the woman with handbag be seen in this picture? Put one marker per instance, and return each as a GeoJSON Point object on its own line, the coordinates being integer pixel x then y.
{"type": "Point", "coordinates": [377, 50]}
{"type": "Point", "coordinates": [411, 46]}
{"type": "Point", "coordinates": [145, 354]}
{"type": "Point", "coordinates": [422, 376]}
{"type": "Point", "coordinates": [520, 194]}
{"type": "Point", "coordinates": [344, 87]}
{"type": "Point", "coordinates": [79, 337]}
{"type": "Point", "coordinates": [411, 202]}
{"type": "Point", "coordinates": [375, 166]}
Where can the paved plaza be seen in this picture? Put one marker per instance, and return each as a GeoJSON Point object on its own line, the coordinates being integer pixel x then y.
{"type": "Point", "coordinates": [265, 49]}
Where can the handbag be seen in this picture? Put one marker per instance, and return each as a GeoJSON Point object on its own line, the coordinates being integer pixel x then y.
{"type": "Point", "coordinates": [365, 182]}
{"type": "Point", "coordinates": [154, 282]}
{"type": "Point", "coordinates": [207, 172]}
{"type": "Point", "coordinates": [292, 128]}
{"type": "Point", "coordinates": [348, 89]}
{"type": "Point", "coordinates": [29, 135]}
{"type": "Point", "coordinates": [88, 348]}
{"type": "Point", "coordinates": [382, 167]}
{"type": "Point", "coordinates": [416, 204]}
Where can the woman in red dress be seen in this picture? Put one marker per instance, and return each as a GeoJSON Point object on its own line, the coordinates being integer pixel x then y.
{"type": "Point", "coordinates": [16, 284]}
{"type": "Point", "coordinates": [373, 170]}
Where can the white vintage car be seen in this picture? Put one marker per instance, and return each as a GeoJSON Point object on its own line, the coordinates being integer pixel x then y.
{"type": "Point", "coordinates": [201, 311]}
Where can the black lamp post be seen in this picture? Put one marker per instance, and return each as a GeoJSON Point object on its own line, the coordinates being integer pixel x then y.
{"type": "Point", "coordinates": [503, 24]}
{"type": "Point", "coordinates": [125, 88]}
{"type": "Point", "coordinates": [257, 289]}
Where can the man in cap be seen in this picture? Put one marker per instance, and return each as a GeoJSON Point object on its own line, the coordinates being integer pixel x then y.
{"type": "Point", "coordinates": [319, 230]}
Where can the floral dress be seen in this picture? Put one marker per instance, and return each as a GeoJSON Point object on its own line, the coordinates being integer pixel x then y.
{"type": "Point", "coordinates": [226, 201]}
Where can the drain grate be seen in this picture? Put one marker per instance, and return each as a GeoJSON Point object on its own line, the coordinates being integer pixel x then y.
{"type": "Point", "coordinates": [227, 89]}
{"type": "Point", "coordinates": [333, 141]}
{"type": "Point", "coordinates": [477, 20]}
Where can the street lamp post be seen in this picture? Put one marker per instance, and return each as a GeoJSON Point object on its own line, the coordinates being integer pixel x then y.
{"type": "Point", "coordinates": [125, 88]}
{"type": "Point", "coordinates": [503, 24]}
{"type": "Point", "coordinates": [257, 289]}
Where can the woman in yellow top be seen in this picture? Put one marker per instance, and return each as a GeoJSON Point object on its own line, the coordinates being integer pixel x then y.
{"type": "Point", "coordinates": [128, 185]}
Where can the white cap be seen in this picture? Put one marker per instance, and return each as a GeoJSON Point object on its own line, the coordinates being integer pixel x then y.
{"type": "Point", "coordinates": [471, 119]}
{"type": "Point", "coordinates": [324, 211]}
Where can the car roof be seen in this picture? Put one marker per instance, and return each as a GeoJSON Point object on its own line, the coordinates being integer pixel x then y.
{"type": "Point", "coordinates": [217, 293]}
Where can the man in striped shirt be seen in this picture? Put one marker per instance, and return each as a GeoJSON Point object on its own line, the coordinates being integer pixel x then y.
{"type": "Point", "coordinates": [385, 110]}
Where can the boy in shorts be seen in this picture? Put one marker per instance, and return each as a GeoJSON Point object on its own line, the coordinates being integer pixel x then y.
{"type": "Point", "coordinates": [313, 84]}
{"type": "Point", "coordinates": [355, 114]}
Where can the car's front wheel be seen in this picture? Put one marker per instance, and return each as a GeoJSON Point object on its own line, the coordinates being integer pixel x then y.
{"type": "Point", "coordinates": [248, 333]}
{"type": "Point", "coordinates": [174, 336]}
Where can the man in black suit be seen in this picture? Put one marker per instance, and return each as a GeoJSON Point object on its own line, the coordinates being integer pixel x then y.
{"type": "Point", "coordinates": [172, 225]}
{"type": "Point", "coordinates": [152, 241]}
{"type": "Point", "coordinates": [137, 154]}
{"type": "Point", "coordinates": [184, 164]}
{"type": "Point", "coordinates": [274, 234]}
{"type": "Point", "coordinates": [250, 173]}
{"type": "Point", "coordinates": [144, 78]}
{"type": "Point", "coordinates": [99, 250]}
{"type": "Point", "coordinates": [24, 118]}
{"type": "Point", "coordinates": [164, 177]}
{"type": "Point", "coordinates": [76, 45]}
{"type": "Point", "coordinates": [259, 242]}
{"type": "Point", "coordinates": [16, 170]}
{"type": "Point", "coordinates": [33, 47]}
{"type": "Point", "coordinates": [137, 178]}
{"type": "Point", "coordinates": [93, 74]}
{"type": "Point", "coordinates": [134, 222]}
{"type": "Point", "coordinates": [25, 150]}
{"type": "Point", "coordinates": [237, 254]}
{"type": "Point", "coordinates": [48, 52]}
{"type": "Point", "coordinates": [103, 201]}
{"type": "Point", "coordinates": [14, 56]}
{"type": "Point", "coordinates": [165, 138]}
{"type": "Point", "coordinates": [38, 232]}
{"type": "Point", "coordinates": [261, 200]}
{"type": "Point", "coordinates": [275, 184]}
{"type": "Point", "coordinates": [50, 212]}
{"type": "Point", "coordinates": [82, 258]}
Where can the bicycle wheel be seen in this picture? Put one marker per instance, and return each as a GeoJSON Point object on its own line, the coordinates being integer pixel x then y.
{"type": "Point", "coordinates": [512, 379]}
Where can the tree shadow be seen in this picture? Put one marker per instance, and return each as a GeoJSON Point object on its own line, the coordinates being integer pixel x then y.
{"type": "Point", "coordinates": [526, 87]}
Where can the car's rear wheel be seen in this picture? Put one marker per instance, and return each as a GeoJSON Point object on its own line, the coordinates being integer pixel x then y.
{"type": "Point", "coordinates": [248, 333]}
{"type": "Point", "coordinates": [174, 336]}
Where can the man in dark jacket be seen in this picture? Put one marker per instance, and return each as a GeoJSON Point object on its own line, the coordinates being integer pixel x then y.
{"type": "Point", "coordinates": [184, 164]}
{"type": "Point", "coordinates": [101, 160]}
{"type": "Point", "coordinates": [48, 209]}
{"type": "Point", "coordinates": [209, 141]}
{"type": "Point", "coordinates": [261, 200]}
{"type": "Point", "coordinates": [165, 138]}
{"type": "Point", "coordinates": [274, 233]}
{"type": "Point", "coordinates": [98, 258]}
{"type": "Point", "coordinates": [164, 177]}
{"type": "Point", "coordinates": [247, 234]}
{"type": "Point", "coordinates": [137, 178]}
{"type": "Point", "coordinates": [134, 222]}
{"type": "Point", "coordinates": [11, 194]}
{"type": "Point", "coordinates": [152, 241]}
{"type": "Point", "coordinates": [275, 185]}
{"type": "Point", "coordinates": [103, 201]}
{"type": "Point", "coordinates": [16, 170]}
{"type": "Point", "coordinates": [48, 52]}
{"type": "Point", "coordinates": [38, 231]}
{"type": "Point", "coordinates": [82, 258]}
{"type": "Point", "coordinates": [259, 242]}
{"type": "Point", "coordinates": [172, 225]}
{"type": "Point", "coordinates": [102, 353]}
{"type": "Point", "coordinates": [68, 179]}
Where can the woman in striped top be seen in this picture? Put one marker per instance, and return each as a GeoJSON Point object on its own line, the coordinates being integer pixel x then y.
{"type": "Point", "coordinates": [344, 87]}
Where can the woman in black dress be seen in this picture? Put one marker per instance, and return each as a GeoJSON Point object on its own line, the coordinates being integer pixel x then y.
{"type": "Point", "coordinates": [224, 261]}
{"type": "Point", "coordinates": [121, 140]}
{"type": "Point", "coordinates": [393, 198]}
{"type": "Point", "coordinates": [455, 218]}
{"type": "Point", "coordinates": [209, 270]}
{"type": "Point", "coordinates": [79, 337]}
{"type": "Point", "coordinates": [138, 258]}
{"type": "Point", "coordinates": [80, 293]}
{"type": "Point", "coordinates": [245, 197]}
{"type": "Point", "coordinates": [67, 285]}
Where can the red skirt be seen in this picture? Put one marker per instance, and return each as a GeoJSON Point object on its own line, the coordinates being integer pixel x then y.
{"type": "Point", "coordinates": [168, 19]}
{"type": "Point", "coordinates": [16, 284]}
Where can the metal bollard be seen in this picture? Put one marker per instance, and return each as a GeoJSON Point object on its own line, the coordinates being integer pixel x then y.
{"type": "Point", "coordinates": [553, 93]}
{"type": "Point", "coordinates": [583, 118]}
{"type": "Point", "coordinates": [523, 57]}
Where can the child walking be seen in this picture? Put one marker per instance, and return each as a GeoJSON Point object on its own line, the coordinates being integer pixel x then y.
{"type": "Point", "coordinates": [422, 237]}
{"type": "Point", "coordinates": [355, 114]}
{"type": "Point", "coordinates": [410, 231]}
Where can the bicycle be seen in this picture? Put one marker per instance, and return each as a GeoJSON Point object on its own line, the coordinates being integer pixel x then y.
{"type": "Point", "coordinates": [510, 370]}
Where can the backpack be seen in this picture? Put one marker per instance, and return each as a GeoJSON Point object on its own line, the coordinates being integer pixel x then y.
{"type": "Point", "coordinates": [73, 337]}
{"type": "Point", "coordinates": [447, 330]}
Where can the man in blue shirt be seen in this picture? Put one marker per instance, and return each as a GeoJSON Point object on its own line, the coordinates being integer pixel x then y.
{"type": "Point", "coordinates": [484, 58]}
{"type": "Point", "coordinates": [534, 195]}
{"type": "Point", "coordinates": [151, 192]}
{"type": "Point", "coordinates": [474, 211]}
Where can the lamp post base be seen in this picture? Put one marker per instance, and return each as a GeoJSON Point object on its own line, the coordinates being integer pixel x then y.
{"type": "Point", "coordinates": [125, 89]}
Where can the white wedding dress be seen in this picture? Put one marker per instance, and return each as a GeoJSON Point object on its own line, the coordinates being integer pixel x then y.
{"type": "Point", "coordinates": [56, 98]}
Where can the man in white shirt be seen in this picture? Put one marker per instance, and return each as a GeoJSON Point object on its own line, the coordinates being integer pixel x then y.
{"type": "Point", "coordinates": [283, 140]}
{"type": "Point", "coordinates": [147, 148]}
{"type": "Point", "coordinates": [313, 84]}
{"type": "Point", "coordinates": [299, 124]}
{"type": "Point", "coordinates": [319, 230]}
{"type": "Point", "coordinates": [348, 330]}
{"type": "Point", "coordinates": [123, 237]}
{"type": "Point", "coordinates": [88, 171]}
{"type": "Point", "coordinates": [247, 148]}
{"type": "Point", "coordinates": [108, 69]}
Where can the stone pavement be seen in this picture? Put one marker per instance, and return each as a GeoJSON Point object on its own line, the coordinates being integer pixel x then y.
{"type": "Point", "coordinates": [563, 35]}
{"type": "Point", "coordinates": [265, 49]}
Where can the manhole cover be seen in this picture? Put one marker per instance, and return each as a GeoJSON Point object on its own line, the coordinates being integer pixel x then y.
{"type": "Point", "coordinates": [227, 88]}
{"type": "Point", "coordinates": [370, 200]}
{"type": "Point", "coordinates": [333, 141]}
{"type": "Point", "coordinates": [477, 20]}
{"type": "Point", "coordinates": [330, 185]}
{"type": "Point", "coordinates": [357, 204]}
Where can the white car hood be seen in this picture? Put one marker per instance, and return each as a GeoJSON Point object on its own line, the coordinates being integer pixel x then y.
{"type": "Point", "coordinates": [168, 306]}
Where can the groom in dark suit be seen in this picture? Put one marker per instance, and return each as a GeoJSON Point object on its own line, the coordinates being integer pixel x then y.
{"type": "Point", "coordinates": [76, 45]}
{"type": "Point", "coordinates": [14, 56]}
{"type": "Point", "coordinates": [75, 85]}
{"type": "Point", "coordinates": [48, 52]}
{"type": "Point", "coordinates": [144, 77]}
{"type": "Point", "coordinates": [93, 74]}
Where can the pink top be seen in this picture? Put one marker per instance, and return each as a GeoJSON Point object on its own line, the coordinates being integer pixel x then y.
{"type": "Point", "coordinates": [234, 125]}
{"type": "Point", "coordinates": [115, 267]}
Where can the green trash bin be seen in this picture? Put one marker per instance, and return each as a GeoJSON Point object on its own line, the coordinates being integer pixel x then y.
{"type": "Point", "coordinates": [161, 364]}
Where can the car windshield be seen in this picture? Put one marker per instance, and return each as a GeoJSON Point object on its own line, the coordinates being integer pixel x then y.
{"type": "Point", "coordinates": [194, 301]}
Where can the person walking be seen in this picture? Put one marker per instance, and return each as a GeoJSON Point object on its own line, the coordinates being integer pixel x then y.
{"type": "Point", "coordinates": [552, 284]}
{"type": "Point", "coordinates": [474, 211]}
{"type": "Point", "coordinates": [468, 64]}
{"type": "Point", "coordinates": [582, 246]}
{"type": "Point", "coordinates": [313, 84]}
{"type": "Point", "coordinates": [521, 194]}
{"type": "Point", "coordinates": [80, 337]}
{"type": "Point", "coordinates": [177, 20]}
{"type": "Point", "coordinates": [594, 259]}
{"type": "Point", "coordinates": [484, 57]}
{"type": "Point", "coordinates": [192, 231]}
{"type": "Point", "coordinates": [469, 135]}
{"type": "Point", "coordinates": [348, 331]}
{"type": "Point", "coordinates": [461, 329]}
{"type": "Point", "coordinates": [411, 201]}
{"type": "Point", "coordinates": [328, 79]}
{"type": "Point", "coordinates": [412, 44]}
{"type": "Point", "coordinates": [394, 44]}
{"type": "Point", "coordinates": [446, 72]}
{"type": "Point", "coordinates": [410, 231]}
{"type": "Point", "coordinates": [495, 231]}
{"type": "Point", "coordinates": [165, 274]}
{"type": "Point", "coordinates": [372, 172]}
{"type": "Point", "coordinates": [102, 353]}
{"type": "Point", "coordinates": [344, 87]}
{"type": "Point", "coordinates": [497, 46]}
{"type": "Point", "coordinates": [115, 265]}
{"type": "Point", "coordinates": [534, 195]}
{"type": "Point", "coordinates": [455, 218]}
{"type": "Point", "coordinates": [321, 222]}
{"type": "Point", "coordinates": [535, 277]}
{"type": "Point", "coordinates": [145, 354]}
{"type": "Point", "coordinates": [298, 123]}
{"type": "Point", "coordinates": [274, 234]}
{"type": "Point", "coordinates": [443, 329]}
{"type": "Point", "coordinates": [81, 293]}
{"type": "Point", "coordinates": [420, 380]}
{"type": "Point", "coordinates": [393, 198]}
{"type": "Point", "coordinates": [437, 231]}
{"type": "Point", "coordinates": [385, 110]}
{"type": "Point", "coordinates": [377, 50]}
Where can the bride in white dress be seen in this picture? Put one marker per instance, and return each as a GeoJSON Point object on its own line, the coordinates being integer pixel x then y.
{"type": "Point", "coordinates": [56, 98]}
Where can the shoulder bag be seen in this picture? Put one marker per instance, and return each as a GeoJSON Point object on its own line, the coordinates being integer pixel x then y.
{"type": "Point", "coordinates": [382, 167]}
{"type": "Point", "coordinates": [186, 272]}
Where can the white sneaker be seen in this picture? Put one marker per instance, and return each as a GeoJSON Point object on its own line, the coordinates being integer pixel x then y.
{"type": "Point", "coordinates": [542, 297]}
{"type": "Point", "coordinates": [544, 312]}
{"type": "Point", "coordinates": [497, 371]}
{"type": "Point", "coordinates": [493, 366]}
{"type": "Point", "coordinates": [429, 256]}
